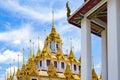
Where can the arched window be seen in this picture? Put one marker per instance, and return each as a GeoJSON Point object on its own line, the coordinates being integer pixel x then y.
{"type": "Point", "coordinates": [79, 68]}
{"type": "Point", "coordinates": [75, 68]}
{"type": "Point", "coordinates": [62, 65]}
{"type": "Point", "coordinates": [48, 62]}
{"type": "Point", "coordinates": [57, 45]}
{"type": "Point", "coordinates": [55, 64]}
{"type": "Point", "coordinates": [40, 63]}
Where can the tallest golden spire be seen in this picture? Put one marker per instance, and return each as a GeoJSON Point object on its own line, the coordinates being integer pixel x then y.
{"type": "Point", "coordinates": [53, 27]}
{"type": "Point", "coordinates": [52, 18]}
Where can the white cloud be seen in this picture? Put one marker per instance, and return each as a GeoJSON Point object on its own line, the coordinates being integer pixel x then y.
{"type": "Point", "coordinates": [16, 36]}
{"type": "Point", "coordinates": [12, 69]}
{"type": "Point", "coordinates": [29, 12]}
{"type": "Point", "coordinates": [98, 66]}
{"type": "Point", "coordinates": [8, 56]}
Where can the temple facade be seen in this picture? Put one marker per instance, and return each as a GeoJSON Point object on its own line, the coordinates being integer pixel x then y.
{"type": "Point", "coordinates": [51, 63]}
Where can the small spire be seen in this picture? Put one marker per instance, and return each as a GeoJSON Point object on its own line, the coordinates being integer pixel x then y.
{"type": "Point", "coordinates": [10, 70]}
{"type": "Point", "coordinates": [30, 55]}
{"type": "Point", "coordinates": [39, 52]}
{"type": "Point", "coordinates": [71, 43]}
{"type": "Point", "coordinates": [23, 57]}
{"type": "Point", "coordinates": [18, 62]}
{"type": "Point", "coordinates": [33, 50]}
{"type": "Point", "coordinates": [5, 74]}
{"type": "Point", "coordinates": [92, 63]}
{"type": "Point", "coordinates": [45, 35]}
{"type": "Point", "coordinates": [14, 66]}
{"type": "Point", "coordinates": [38, 43]}
{"type": "Point", "coordinates": [53, 27]}
{"type": "Point", "coordinates": [80, 59]}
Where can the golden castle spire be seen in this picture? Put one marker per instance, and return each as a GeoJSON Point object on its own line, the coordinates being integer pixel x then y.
{"type": "Point", "coordinates": [53, 31]}
{"type": "Point", "coordinates": [23, 57]}
{"type": "Point", "coordinates": [71, 56]}
{"type": "Point", "coordinates": [10, 70]}
{"type": "Point", "coordinates": [53, 27]}
{"type": "Point", "coordinates": [18, 71]}
{"type": "Point", "coordinates": [39, 52]}
{"type": "Point", "coordinates": [18, 62]}
{"type": "Point", "coordinates": [52, 18]}
{"type": "Point", "coordinates": [5, 74]}
{"type": "Point", "coordinates": [68, 73]}
{"type": "Point", "coordinates": [38, 44]}
{"type": "Point", "coordinates": [30, 54]}
{"type": "Point", "coordinates": [94, 75]}
{"type": "Point", "coordinates": [38, 56]}
{"type": "Point", "coordinates": [33, 50]}
{"type": "Point", "coordinates": [14, 67]}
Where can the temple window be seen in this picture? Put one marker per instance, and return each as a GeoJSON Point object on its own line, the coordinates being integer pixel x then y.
{"type": "Point", "coordinates": [40, 63]}
{"type": "Point", "coordinates": [62, 65]}
{"type": "Point", "coordinates": [57, 45]}
{"type": "Point", "coordinates": [55, 64]}
{"type": "Point", "coordinates": [48, 62]}
{"type": "Point", "coordinates": [75, 68]}
{"type": "Point", "coordinates": [79, 68]}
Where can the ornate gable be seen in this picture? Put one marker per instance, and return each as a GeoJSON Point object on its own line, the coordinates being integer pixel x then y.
{"type": "Point", "coordinates": [51, 70]}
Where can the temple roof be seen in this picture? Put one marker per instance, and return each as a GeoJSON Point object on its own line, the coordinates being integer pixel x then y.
{"type": "Point", "coordinates": [99, 14]}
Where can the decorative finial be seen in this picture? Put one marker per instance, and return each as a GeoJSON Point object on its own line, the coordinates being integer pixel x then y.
{"type": "Point", "coordinates": [14, 66]}
{"type": "Point", "coordinates": [45, 35]}
{"type": "Point", "coordinates": [52, 18]}
{"type": "Point", "coordinates": [10, 70]}
{"type": "Point", "coordinates": [71, 43]}
{"type": "Point", "coordinates": [33, 50]}
{"type": "Point", "coordinates": [38, 43]}
{"type": "Point", "coordinates": [92, 63]}
{"type": "Point", "coordinates": [5, 75]}
{"type": "Point", "coordinates": [23, 57]}
{"type": "Point", "coordinates": [30, 55]}
{"type": "Point", "coordinates": [18, 62]}
{"type": "Point", "coordinates": [7, 72]}
{"type": "Point", "coordinates": [68, 10]}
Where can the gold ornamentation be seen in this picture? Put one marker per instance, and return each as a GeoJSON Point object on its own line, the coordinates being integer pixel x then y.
{"type": "Point", "coordinates": [68, 73]}
{"type": "Point", "coordinates": [51, 70]}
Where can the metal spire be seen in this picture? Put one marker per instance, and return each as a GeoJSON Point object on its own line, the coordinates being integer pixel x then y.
{"type": "Point", "coordinates": [18, 62]}
{"type": "Point", "coordinates": [10, 70]}
{"type": "Point", "coordinates": [14, 66]}
{"type": "Point", "coordinates": [52, 18]}
{"type": "Point", "coordinates": [38, 43]}
{"type": "Point", "coordinates": [30, 55]}
{"type": "Point", "coordinates": [33, 50]}
{"type": "Point", "coordinates": [23, 57]}
{"type": "Point", "coordinates": [71, 43]}
{"type": "Point", "coordinates": [5, 75]}
{"type": "Point", "coordinates": [92, 63]}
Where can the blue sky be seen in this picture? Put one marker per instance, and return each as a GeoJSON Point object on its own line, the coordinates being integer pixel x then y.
{"type": "Point", "coordinates": [22, 20]}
